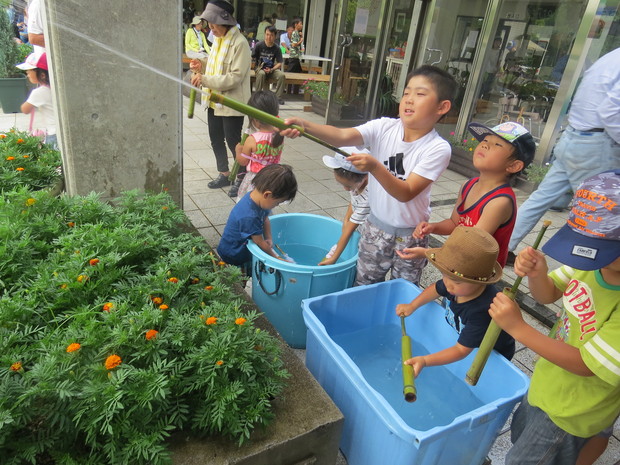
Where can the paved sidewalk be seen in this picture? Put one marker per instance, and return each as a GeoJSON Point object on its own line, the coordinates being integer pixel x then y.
{"type": "Point", "coordinates": [319, 193]}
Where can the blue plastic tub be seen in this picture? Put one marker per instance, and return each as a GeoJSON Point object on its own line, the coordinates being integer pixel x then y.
{"type": "Point", "coordinates": [278, 287]}
{"type": "Point", "coordinates": [353, 349]}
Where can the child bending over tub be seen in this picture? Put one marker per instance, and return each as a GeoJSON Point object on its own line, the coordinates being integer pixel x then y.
{"type": "Point", "coordinates": [249, 218]}
{"type": "Point", "coordinates": [355, 182]}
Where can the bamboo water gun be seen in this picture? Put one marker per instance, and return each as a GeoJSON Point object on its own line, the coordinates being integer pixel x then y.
{"type": "Point", "coordinates": [493, 331]}
{"type": "Point", "coordinates": [409, 389]}
{"type": "Point", "coordinates": [268, 119]}
{"type": "Point", "coordinates": [192, 103]}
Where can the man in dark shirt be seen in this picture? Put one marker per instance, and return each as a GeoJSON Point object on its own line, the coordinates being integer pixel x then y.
{"type": "Point", "coordinates": [267, 58]}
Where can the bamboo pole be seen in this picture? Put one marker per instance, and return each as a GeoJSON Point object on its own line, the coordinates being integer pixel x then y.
{"type": "Point", "coordinates": [409, 389]}
{"type": "Point", "coordinates": [192, 103]}
{"type": "Point", "coordinates": [493, 331]}
{"type": "Point", "coordinates": [268, 119]}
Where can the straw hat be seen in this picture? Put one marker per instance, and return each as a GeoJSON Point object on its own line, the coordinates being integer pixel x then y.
{"type": "Point", "coordinates": [469, 255]}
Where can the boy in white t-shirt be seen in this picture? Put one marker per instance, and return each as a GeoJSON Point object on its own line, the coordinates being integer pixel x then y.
{"type": "Point", "coordinates": [406, 156]}
{"type": "Point", "coordinates": [39, 104]}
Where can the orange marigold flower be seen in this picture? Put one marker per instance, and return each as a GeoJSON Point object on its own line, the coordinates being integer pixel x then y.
{"type": "Point", "coordinates": [157, 300]}
{"type": "Point", "coordinates": [208, 288]}
{"type": "Point", "coordinates": [211, 320]}
{"type": "Point", "coordinates": [195, 280]}
{"type": "Point", "coordinates": [73, 347]}
{"type": "Point", "coordinates": [240, 321]}
{"type": "Point", "coordinates": [82, 278]}
{"type": "Point", "coordinates": [93, 261]}
{"type": "Point", "coordinates": [163, 307]}
{"type": "Point", "coordinates": [63, 286]}
{"type": "Point", "coordinates": [151, 334]}
{"type": "Point", "coordinates": [10, 158]}
{"type": "Point", "coordinates": [26, 156]}
{"type": "Point", "coordinates": [221, 263]}
{"type": "Point", "coordinates": [19, 141]}
{"type": "Point", "coordinates": [70, 224]}
{"type": "Point", "coordinates": [30, 201]}
{"type": "Point", "coordinates": [164, 208]}
{"type": "Point", "coordinates": [16, 366]}
{"type": "Point", "coordinates": [112, 362]}
{"type": "Point", "coordinates": [220, 362]}
{"type": "Point", "coordinates": [19, 169]}
{"type": "Point", "coordinates": [173, 280]}
{"type": "Point", "coordinates": [2, 136]}
{"type": "Point", "coordinates": [107, 307]}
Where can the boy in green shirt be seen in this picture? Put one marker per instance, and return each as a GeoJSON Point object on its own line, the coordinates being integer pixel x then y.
{"type": "Point", "coordinates": [574, 394]}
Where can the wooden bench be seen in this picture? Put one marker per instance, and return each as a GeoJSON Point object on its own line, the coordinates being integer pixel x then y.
{"type": "Point", "coordinates": [298, 78]}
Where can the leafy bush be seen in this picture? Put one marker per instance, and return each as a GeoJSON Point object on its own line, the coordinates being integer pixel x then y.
{"type": "Point", "coordinates": [25, 161]}
{"type": "Point", "coordinates": [116, 329]}
{"type": "Point", "coordinates": [468, 144]}
{"type": "Point", "coordinates": [318, 88]}
{"type": "Point", "coordinates": [9, 51]}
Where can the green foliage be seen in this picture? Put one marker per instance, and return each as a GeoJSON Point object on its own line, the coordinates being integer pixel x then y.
{"type": "Point", "coordinates": [26, 161]}
{"type": "Point", "coordinates": [536, 173]}
{"type": "Point", "coordinates": [120, 280]}
{"type": "Point", "coordinates": [9, 52]}
{"type": "Point", "coordinates": [318, 88]}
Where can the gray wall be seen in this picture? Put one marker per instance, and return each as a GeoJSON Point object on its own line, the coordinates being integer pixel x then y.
{"type": "Point", "coordinates": [119, 122]}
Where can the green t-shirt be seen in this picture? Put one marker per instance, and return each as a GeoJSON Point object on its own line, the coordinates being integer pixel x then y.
{"type": "Point", "coordinates": [583, 405]}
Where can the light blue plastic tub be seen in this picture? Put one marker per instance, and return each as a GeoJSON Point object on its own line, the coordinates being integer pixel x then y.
{"type": "Point", "coordinates": [353, 349]}
{"type": "Point", "coordinates": [278, 287]}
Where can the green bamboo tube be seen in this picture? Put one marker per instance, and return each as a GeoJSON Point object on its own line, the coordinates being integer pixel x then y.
{"type": "Point", "coordinates": [493, 331]}
{"type": "Point", "coordinates": [192, 102]}
{"type": "Point", "coordinates": [268, 119]}
{"type": "Point", "coordinates": [409, 389]}
{"type": "Point", "coordinates": [235, 168]}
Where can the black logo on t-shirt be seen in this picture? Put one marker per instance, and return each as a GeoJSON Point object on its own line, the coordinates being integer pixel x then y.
{"type": "Point", "coordinates": [394, 164]}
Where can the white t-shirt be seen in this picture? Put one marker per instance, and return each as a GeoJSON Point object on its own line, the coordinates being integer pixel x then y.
{"type": "Point", "coordinates": [35, 22]}
{"type": "Point", "coordinates": [427, 157]}
{"type": "Point", "coordinates": [44, 118]}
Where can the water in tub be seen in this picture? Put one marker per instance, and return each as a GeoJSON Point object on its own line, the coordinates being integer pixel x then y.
{"type": "Point", "coordinates": [441, 395]}
{"type": "Point", "coordinates": [304, 254]}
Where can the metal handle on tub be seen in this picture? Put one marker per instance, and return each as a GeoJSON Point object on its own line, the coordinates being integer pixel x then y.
{"type": "Point", "coordinates": [260, 268]}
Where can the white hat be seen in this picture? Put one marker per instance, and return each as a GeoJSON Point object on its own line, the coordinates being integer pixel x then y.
{"type": "Point", "coordinates": [340, 161]}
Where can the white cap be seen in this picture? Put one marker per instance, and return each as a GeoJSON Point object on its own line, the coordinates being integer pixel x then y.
{"type": "Point", "coordinates": [340, 161]}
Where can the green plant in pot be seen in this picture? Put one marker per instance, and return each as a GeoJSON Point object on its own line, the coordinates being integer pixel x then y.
{"type": "Point", "coordinates": [13, 90]}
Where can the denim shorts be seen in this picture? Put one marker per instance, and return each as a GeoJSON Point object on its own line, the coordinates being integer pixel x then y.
{"type": "Point", "coordinates": [538, 441]}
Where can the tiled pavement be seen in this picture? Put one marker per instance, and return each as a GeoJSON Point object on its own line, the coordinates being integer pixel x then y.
{"type": "Point", "coordinates": [318, 193]}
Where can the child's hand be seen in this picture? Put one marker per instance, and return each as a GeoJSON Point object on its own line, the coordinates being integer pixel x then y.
{"type": "Point", "coordinates": [328, 261]}
{"type": "Point", "coordinates": [531, 263]}
{"type": "Point", "coordinates": [238, 149]}
{"type": "Point", "coordinates": [505, 312]}
{"type": "Point", "coordinates": [363, 161]}
{"type": "Point", "coordinates": [422, 230]}
{"type": "Point", "coordinates": [411, 253]}
{"type": "Point", "coordinates": [418, 364]}
{"type": "Point", "coordinates": [404, 309]}
{"type": "Point", "coordinates": [269, 242]}
{"type": "Point", "coordinates": [291, 132]}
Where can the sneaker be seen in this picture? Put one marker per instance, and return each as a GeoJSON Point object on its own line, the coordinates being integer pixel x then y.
{"type": "Point", "coordinates": [510, 261]}
{"type": "Point", "coordinates": [220, 181]}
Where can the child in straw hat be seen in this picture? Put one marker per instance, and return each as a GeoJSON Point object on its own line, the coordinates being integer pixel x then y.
{"type": "Point", "coordinates": [468, 263]}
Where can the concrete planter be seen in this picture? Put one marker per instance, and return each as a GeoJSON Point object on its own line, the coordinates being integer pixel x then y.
{"type": "Point", "coordinates": [461, 162]}
{"type": "Point", "coordinates": [319, 105]}
{"type": "Point", "coordinates": [306, 429]}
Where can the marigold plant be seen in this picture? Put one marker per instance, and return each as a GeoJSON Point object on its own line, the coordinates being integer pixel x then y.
{"type": "Point", "coordinates": [62, 407]}
{"type": "Point", "coordinates": [73, 347]}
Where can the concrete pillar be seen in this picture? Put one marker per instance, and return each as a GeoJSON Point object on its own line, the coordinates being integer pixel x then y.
{"type": "Point", "coordinates": [120, 122]}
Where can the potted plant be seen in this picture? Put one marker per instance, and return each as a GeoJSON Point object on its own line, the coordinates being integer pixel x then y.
{"type": "Point", "coordinates": [13, 90]}
{"type": "Point", "coordinates": [318, 92]}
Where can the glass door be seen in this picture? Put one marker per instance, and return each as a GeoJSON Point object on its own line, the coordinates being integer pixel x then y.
{"type": "Point", "coordinates": [353, 85]}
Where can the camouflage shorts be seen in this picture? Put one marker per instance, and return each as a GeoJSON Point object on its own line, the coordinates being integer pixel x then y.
{"type": "Point", "coordinates": [377, 256]}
